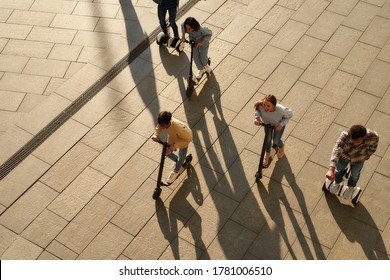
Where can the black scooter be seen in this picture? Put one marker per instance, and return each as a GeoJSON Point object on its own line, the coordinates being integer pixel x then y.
{"type": "Point", "coordinates": [269, 129]}
{"type": "Point", "coordinates": [157, 190]}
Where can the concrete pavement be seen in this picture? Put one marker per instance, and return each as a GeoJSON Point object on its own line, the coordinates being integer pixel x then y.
{"type": "Point", "coordinates": [85, 192]}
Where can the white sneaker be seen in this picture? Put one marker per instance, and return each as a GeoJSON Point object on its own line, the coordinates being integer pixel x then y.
{"type": "Point", "coordinates": [335, 188]}
{"type": "Point", "coordinates": [207, 68]}
{"type": "Point", "coordinates": [348, 192]}
{"type": "Point", "coordinates": [172, 177]}
{"type": "Point", "coordinates": [200, 74]}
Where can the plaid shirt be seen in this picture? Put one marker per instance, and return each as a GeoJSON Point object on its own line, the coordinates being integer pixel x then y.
{"type": "Point", "coordinates": [345, 150]}
{"type": "Point", "coordinates": [168, 4]}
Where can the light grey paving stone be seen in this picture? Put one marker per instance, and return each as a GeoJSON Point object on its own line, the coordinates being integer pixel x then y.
{"type": "Point", "coordinates": [7, 238]}
{"type": "Point", "coordinates": [310, 11]}
{"type": "Point", "coordinates": [112, 25]}
{"type": "Point", "coordinates": [359, 59]}
{"type": "Point", "coordinates": [384, 165]}
{"type": "Point", "coordinates": [61, 251]}
{"type": "Point", "coordinates": [65, 52]}
{"type": "Point", "coordinates": [384, 105]}
{"type": "Point", "coordinates": [80, 82]}
{"type": "Point", "coordinates": [74, 22]}
{"type": "Point", "coordinates": [208, 6]}
{"type": "Point", "coordinates": [383, 244]}
{"type": "Point", "coordinates": [251, 45]}
{"type": "Point", "coordinates": [377, 78]}
{"type": "Point", "coordinates": [73, 68]}
{"type": "Point", "coordinates": [281, 80]}
{"type": "Point", "coordinates": [99, 106]}
{"type": "Point", "coordinates": [74, 198]}
{"type": "Point", "coordinates": [280, 231]}
{"type": "Point", "coordinates": [24, 83]}
{"type": "Point", "coordinates": [338, 89]}
{"type": "Point", "coordinates": [214, 121]}
{"type": "Point", "coordinates": [361, 16]}
{"type": "Point", "coordinates": [239, 92]}
{"type": "Point", "coordinates": [378, 3]}
{"type": "Point", "coordinates": [239, 178]}
{"type": "Point", "coordinates": [14, 138]}
{"type": "Point", "coordinates": [378, 123]}
{"type": "Point", "coordinates": [180, 249]}
{"type": "Point", "coordinates": [73, 162]}
{"type": "Point", "coordinates": [238, 28]}
{"type": "Point", "coordinates": [57, 6]}
{"type": "Point", "coordinates": [139, 209]}
{"type": "Point", "coordinates": [31, 18]}
{"type": "Point", "coordinates": [343, 7]}
{"type": "Point", "coordinates": [202, 229]}
{"type": "Point", "coordinates": [353, 244]}
{"type": "Point", "coordinates": [10, 100]}
{"type": "Point", "coordinates": [95, 39]}
{"type": "Point", "coordinates": [22, 249]}
{"type": "Point", "coordinates": [46, 67]}
{"type": "Point", "coordinates": [51, 35]}
{"type": "Point", "coordinates": [377, 33]}
{"type": "Point", "coordinates": [220, 159]}
{"type": "Point", "coordinates": [96, 9]}
{"type": "Point", "coordinates": [3, 42]}
{"type": "Point", "coordinates": [14, 31]}
{"type": "Point", "coordinates": [107, 129]}
{"type": "Point", "coordinates": [323, 150]}
{"type": "Point", "coordinates": [154, 238]}
{"type": "Point", "coordinates": [118, 152]}
{"type": "Point", "coordinates": [289, 35]}
{"type": "Point", "coordinates": [27, 207]}
{"type": "Point", "coordinates": [20, 179]}
{"type": "Point", "coordinates": [225, 14]}
{"type": "Point", "coordinates": [12, 63]}
{"type": "Point", "coordinates": [60, 141]}
{"type": "Point", "coordinates": [128, 179]}
{"type": "Point", "coordinates": [258, 9]}
{"type": "Point", "coordinates": [321, 70]}
{"type": "Point", "coordinates": [385, 52]}
{"type": "Point", "coordinates": [88, 54]}
{"type": "Point", "coordinates": [306, 249]}
{"type": "Point", "coordinates": [291, 4]}
{"type": "Point", "coordinates": [358, 109]}
{"type": "Point", "coordinates": [107, 245]}
{"type": "Point", "coordinates": [315, 123]}
{"type": "Point", "coordinates": [4, 14]}
{"type": "Point", "coordinates": [324, 27]}
{"type": "Point", "coordinates": [232, 242]}
{"type": "Point", "coordinates": [274, 19]}
{"type": "Point", "coordinates": [385, 10]}
{"type": "Point", "coordinates": [47, 256]}
{"type": "Point", "coordinates": [373, 210]}
{"type": "Point", "coordinates": [44, 228]}
{"type": "Point", "coordinates": [342, 41]}
{"type": "Point", "coordinates": [28, 48]}
{"type": "Point", "coordinates": [88, 223]}
{"type": "Point", "coordinates": [299, 98]}
{"type": "Point", "coordinates": [304, 52]}
{"type": "Point", "coordinates": [265, 62]}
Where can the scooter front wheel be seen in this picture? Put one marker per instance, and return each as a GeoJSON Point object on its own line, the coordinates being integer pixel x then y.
{"type": "Point", "coordinates": [157, 193]}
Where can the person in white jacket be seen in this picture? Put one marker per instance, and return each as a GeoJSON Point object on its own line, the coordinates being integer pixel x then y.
{"type": "Point", "coordinates": [269, 112]}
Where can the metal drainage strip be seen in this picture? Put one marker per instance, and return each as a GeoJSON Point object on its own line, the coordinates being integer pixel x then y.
{"type": "Point", "coordinates": [41, 136]}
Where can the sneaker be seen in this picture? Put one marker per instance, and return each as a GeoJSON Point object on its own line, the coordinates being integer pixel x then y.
{"type": "Point", "coordinates": [200, 74]}
{"type": "Point", "coordinates": [280, 153]}
{"type": "Point", "coordinates": [187, 161]}
{"type": "Point", "coordinates": [207, 68]}
{"type": "Point", "coordinates": [267, 157]}
{"type": "Point", "coordinates": [348, 193]}
{"type": "Point", "coordinates": [335, 188]}
{"type": "Point", "coordinates": [172, 177]}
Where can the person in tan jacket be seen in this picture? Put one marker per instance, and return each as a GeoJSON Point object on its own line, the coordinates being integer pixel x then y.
{"type": "Point", "coordinates": [179, 137]}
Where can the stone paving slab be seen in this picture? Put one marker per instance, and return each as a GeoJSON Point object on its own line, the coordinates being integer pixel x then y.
{"type": "Point", "coordinates": [85, 193]}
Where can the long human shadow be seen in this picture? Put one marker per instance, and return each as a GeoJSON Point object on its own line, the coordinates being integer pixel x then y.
{"type": "Point", "coordinates": [180, 209]}
{"type": "Point", "coordinates": [369, 237]}
{"type": "Point", "coordinates": [207, 96]}
{"type": "Point", "coordinates": [283, 169]}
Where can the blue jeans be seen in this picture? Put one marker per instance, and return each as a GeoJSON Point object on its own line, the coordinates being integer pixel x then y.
{"type": "Point", "coordinates": [274, 137]}
{"type": "Point", "coordinates": [201, 56]}
{"type": "Point", "coordinates": [162, 12]}
{"type": "Point", "coordinates": [355, 172]}
{"type": "Point", "coordinates": [179, 160]}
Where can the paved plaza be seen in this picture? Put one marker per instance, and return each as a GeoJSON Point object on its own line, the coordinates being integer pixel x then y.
{"type": "Point", "coordinates": [85, 191]}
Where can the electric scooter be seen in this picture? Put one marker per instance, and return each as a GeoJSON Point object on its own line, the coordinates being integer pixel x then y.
{"type": "Point", "coordinates": [269, 129]}
{"type": "Point", "coordinates": [331, 185]}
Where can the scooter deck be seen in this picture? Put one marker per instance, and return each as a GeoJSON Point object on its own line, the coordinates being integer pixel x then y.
{"type": "Point", "coordinates": [355, 195]}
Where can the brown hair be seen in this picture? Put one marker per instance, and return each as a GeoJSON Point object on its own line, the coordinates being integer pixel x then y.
{"type": "Point", "coordinates": [164, 118]}
{"type": "Point", "coordinates": [192, 22]}
{"type": "Point", "coordinates": [357, 131]}
{"type": "Point", "coordinates": [269, 97]}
